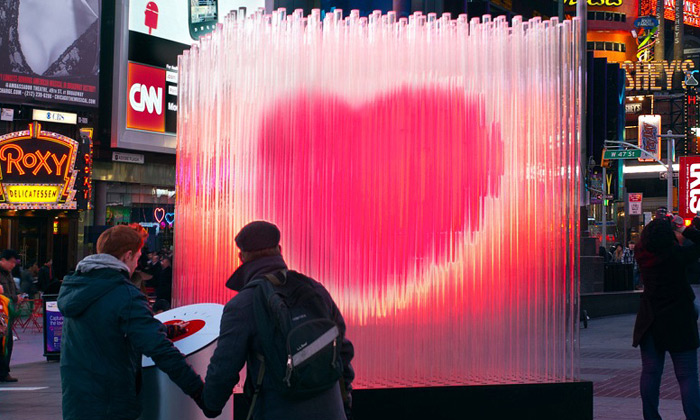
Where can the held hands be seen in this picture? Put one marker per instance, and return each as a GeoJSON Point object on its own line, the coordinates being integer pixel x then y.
{"type": "Point", "coordinates": [197, 397]}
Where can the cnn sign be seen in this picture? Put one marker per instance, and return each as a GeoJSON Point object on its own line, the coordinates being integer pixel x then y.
{"type": "Point", "coordinates": [146, 98]}
{"type": "Point", "coordinates": [689, 186]}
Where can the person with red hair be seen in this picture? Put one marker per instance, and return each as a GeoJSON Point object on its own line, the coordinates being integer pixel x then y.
{"type": "Point", "coordinates": [108, 326]}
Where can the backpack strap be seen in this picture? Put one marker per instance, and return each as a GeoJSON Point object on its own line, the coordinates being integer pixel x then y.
{"type": "Point", "coordinates": [258, 385]}
{"type": "Point", "coordinates": [278, 278]}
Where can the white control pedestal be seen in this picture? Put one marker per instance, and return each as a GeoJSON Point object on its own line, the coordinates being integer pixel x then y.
{"type": "Point", "coordinates": [161, 399]}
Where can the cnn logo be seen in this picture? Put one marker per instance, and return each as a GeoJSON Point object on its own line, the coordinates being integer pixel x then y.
{"type": "Point", "coordinates": [142, 98]}
{"type": "Point", "coordinates": [145, 98]}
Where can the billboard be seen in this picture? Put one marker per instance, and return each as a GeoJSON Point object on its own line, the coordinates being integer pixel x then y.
{"type": "Point", "coordinates": [42, 170]}
{"type": "Point", "coordinates": [151, 34]}
{"type": "Point", "coordinates": [689, 187]}
{"type": "Point", "coordinates": [58, 64]}
{"type": "Point", "coordinates": [691, 10]}
{"type": "Point", "coordinates": [648, 131]}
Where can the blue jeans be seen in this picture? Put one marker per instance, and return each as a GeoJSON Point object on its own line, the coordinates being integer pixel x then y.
{"type": "Point", "coordinates": [685, 365]}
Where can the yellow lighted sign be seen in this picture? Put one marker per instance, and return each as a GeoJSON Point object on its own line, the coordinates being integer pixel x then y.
{"type": "Point", "coordinates": [608, 3]}
{"type": "Point", "coordinates": [647, 74]}
{"type": "Point", "coordinates": [33, 193]}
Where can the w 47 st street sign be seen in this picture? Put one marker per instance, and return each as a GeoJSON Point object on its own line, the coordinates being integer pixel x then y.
{"type": "Point", "coordinates": [622, 154]}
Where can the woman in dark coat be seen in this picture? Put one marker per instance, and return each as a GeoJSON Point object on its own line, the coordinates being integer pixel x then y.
{"type": "Point", "coordinates": [667, 319]}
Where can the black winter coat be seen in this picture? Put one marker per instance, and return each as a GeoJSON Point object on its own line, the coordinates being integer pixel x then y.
{"type": "Point", "coordinates": [239, 343]}
{"type": "Point", "coordinates": [107, 326]}
{"type": "Point", "coordinates": [667, 310]}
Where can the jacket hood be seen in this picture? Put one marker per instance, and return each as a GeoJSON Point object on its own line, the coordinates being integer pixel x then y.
{"type": "Point", "coordinates": [96, 275]}
{"type": "Point", "coordinates": [97, 261]}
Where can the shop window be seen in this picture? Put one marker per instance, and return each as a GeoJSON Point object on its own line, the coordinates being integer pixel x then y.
{"type": "Point", "coordinates": [607, 16]}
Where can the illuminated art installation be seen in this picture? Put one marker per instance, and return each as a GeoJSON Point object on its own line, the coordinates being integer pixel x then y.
{"type": "Point", "coordinates": [424, 170]}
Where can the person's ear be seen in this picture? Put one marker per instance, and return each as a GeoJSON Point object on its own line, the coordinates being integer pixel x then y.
{"type": "Point", "coordinates": [127, 255]}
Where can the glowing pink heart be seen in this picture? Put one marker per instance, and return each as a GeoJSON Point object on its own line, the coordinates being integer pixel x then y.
{"type": "Point", "coordinates": [353, 191]}
{"type": "Point", "coordinates": [159, 214]}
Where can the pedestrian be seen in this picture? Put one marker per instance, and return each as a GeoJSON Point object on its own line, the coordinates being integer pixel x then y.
{"type": "Point", "coordinates": [628, 258]}
{"type": "Point", "coordinates": [46, 276]}
{"type": "Point", "coordinates": [164, 288]}
{"type": "Point", "coordinates": [108, 326]}
{"type": "Point", "coordinates": [27, 283]}
{"type": "Point", "coordinates": [8, 260]}
{"type": "Point", "coordinates": [618, 253]}
{"type": "Point", "coordinates": [241, 330]}
{"type": "Point", "coordinates": [667, 317]}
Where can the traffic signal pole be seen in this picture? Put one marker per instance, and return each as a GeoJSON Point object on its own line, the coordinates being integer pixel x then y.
{"type": "Point", "coordinates": [670, 147]}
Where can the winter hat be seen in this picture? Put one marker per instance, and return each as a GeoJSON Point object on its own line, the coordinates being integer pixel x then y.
{"type": "Point", "coordinates": [678, 222]}
{"type": "Point", "coordinates": [258, 235]}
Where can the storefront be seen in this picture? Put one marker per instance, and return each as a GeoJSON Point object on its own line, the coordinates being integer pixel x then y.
{"type": "Point", "coordinates": [45, 189]}
{"type": "Point", "coordinates": [135, 193]}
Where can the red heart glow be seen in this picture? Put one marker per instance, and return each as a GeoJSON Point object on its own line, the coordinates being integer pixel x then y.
{"type": "Point", "coordinates": [359, 194]}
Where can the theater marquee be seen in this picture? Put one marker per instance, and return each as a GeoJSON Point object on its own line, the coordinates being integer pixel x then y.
{"type": "Point", "coordinates": [45, 170]}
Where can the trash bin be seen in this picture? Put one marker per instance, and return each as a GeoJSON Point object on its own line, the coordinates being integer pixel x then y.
{"type": "Point", "coordinates": [161, 399]}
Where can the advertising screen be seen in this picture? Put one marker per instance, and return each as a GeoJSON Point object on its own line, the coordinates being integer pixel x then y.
{"type": "Point", "coordinates": [689, 187]}
{"type": "Point", "coordinates": [154, 34]}
{"type": "Point", "coordinates": [54, 327]}
{"type": "Point", "coordinates": [58, 64]}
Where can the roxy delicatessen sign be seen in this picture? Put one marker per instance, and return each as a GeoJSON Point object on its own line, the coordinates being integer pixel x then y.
{"type": "Point", "coordinates": [45, 170]}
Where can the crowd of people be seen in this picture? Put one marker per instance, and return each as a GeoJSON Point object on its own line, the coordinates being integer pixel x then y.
{"type": "Point", "coordinates": [109, 302]}
{"type": "Point", "coordinates": [18, 282]}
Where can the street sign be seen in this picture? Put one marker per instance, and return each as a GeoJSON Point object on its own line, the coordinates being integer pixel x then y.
{"type": "Point", "coordinates": [646, 22]}
{"type": "Point", "coordinates": [635, 204]}
{"type": "Point", "coordinates": [664, 175]}
{"type": "Point", "coordinates": [622, 154]}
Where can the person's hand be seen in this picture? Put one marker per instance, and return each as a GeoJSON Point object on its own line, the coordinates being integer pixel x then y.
{"type": "Point", "coordinates": [210, 414]}
{"type": "Point", "coordinates": [176, 330]}
{"type": "Point", "coordinates": [181, 328]}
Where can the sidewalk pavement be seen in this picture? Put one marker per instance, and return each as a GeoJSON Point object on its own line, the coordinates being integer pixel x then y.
{"type": "Point", "coordinates": [607, 359]}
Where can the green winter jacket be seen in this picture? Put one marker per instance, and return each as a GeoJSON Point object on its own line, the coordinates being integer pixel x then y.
{"type": "Point", "coordinates": [107, 326]}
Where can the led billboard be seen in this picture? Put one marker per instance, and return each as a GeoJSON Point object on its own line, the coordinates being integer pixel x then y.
{"type": "Point", "coordinates": [58, 64]}
{"type": "Point", "coordinates": [151, 34]}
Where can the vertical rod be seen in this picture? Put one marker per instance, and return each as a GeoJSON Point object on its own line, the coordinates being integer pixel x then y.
{"type": "Point", "coordinates": [604, 220]}
{"type": "Point", "coordinates": [582, 13]}
{"type": "Point", "coordinates": [669, 172]}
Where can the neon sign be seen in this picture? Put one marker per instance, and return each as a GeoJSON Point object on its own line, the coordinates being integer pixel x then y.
{"type": "Point", "coordinates": [39, 170]}
{"type": "Point", "coordinates": [644, 75]}
{"type": "Point", "coordinates": [691, 10]}
{"type": "Point", "coordinates": [606, 3]}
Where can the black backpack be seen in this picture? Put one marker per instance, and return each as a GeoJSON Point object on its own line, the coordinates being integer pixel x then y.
{"type": "Point", "coordinates": [300, 341]}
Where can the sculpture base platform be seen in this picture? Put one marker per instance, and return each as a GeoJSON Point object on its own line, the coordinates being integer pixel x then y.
{"type": "Point", "coordinates": [555, 401]}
